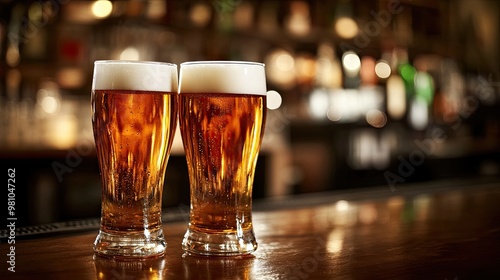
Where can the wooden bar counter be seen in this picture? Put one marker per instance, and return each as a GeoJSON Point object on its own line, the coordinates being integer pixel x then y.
{"type": "Point", "coordinates": [440, 230]}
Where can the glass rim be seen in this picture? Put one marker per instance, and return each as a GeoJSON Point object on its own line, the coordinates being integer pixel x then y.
{"type": "Point", "coordinates": [223, 62]}
{"type": "Point", "coordinates": [117, 61]}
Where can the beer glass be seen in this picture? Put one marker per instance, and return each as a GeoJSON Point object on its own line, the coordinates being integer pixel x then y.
{"type": "Point", "coordinates": [134, 115]}
{"type": "Point", "coordinates": [222, 112]}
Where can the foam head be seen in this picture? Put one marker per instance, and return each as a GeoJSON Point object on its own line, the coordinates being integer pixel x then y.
{"type": "Point", "coordinates": [223, 77]}
{"type": "Point", "coordinates": [134, 75]}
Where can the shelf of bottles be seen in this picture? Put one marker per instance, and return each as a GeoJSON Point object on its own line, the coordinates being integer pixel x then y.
{"type": "Point", "coordinates": [370, 64]}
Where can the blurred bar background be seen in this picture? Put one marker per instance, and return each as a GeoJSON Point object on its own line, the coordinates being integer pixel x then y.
{"type": "Point", "coordinates": [361, 93]}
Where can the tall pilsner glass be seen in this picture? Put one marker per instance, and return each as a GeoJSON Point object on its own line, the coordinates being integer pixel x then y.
{"type": "Point", "coordinates": [222, 112]}
{"type": "Point", "coordinates": [134, 114]}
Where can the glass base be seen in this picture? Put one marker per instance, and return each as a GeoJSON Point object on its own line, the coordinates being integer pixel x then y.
{"type": "Point", "coordinates": [130, 245]}
{"type": "Point", "coordinates": [219, 244]}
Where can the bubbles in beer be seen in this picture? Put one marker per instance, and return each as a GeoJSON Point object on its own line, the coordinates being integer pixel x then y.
{"type": "Point", "coordinates": [133, 175]}
{"type": "Point", "coordinates": [223, 142]}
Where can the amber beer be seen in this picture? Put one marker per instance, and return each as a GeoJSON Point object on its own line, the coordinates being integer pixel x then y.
{"type": "Point", "coordinates": [134, 114]}
{"type": "Point", "coordinates": [222, 112]}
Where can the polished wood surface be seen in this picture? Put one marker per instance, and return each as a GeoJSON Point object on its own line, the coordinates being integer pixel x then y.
{"type": "Point", "coordinates": [427, 231]}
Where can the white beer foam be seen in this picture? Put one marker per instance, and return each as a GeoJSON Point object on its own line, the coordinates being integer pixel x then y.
{"type": "Point", "coordinates": [134, 75]}
{"type": "Point", "coordinates": [222, 77]}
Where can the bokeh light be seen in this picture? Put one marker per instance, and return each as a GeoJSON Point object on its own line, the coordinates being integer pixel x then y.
{"type": "Point", "coordinates": [318, 103]}
{"type": "Point", "coordinates": [274, 100]}
{"type": "Point", "coordinates": [102, 8]}
{"type": "Point", "coordinates": [367, 72]}
{"type": "Point", "coordinates": [376, 118]}
{"type": "Point", "coordinates": [280, 66]}
{"type": "Point", "coordinates": [408, 72]}
{"type": "Point", "coordinates": [200, 14]}
{"type": "Point", "coordinates": [346, 27]}
{"type": "Point", "coordinates": [129, 53]}
{"type": "Point", "coordinates": [342, 205]}
{"type": "Point", "coordinates": [351, 63]}
{"type": "Point", "coordinates": [382, 69]}
{"type": "Point", "coordinates": [396, 97]}
{"type": "Point", "coordinates": [48, 100]}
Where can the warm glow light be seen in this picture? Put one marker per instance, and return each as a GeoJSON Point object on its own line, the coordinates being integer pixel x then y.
{"type": "Point", "coordinates": [396, 97]}
{"type": "Point", "coordinates": [346, 27]}
{"type": "Point", "coordinates": [342, 205]}
{"type": "Point", "coordinates": [102, 8]}
{"type": "Point", "coordinates": [318, 103]}
{"type": "Point", "coordinates": [70, 77]}
{"type": "Point", "coordinates": [351, 63]}
{"type": "Point", "coordinates": [243, 16]}
{"type": "Point", "coordinates": [284, 62]}
{"type": "Point", "coordinates": [47, 101]}
{"type": "Point", "coordinates": [368, 214]}
{"type": "Point", "coordinates": [376, 118]}
{"type": "Point", "coordinates": [78, 12]}
{"type": "Point", "coordinates": [367, 72]}
{"type": "Point", "coordinates": [281, 68]}
{"type": "Point", "coordinates": [12, 56]}
{"type": "Point", "coordinates": [200, 14]}
{"type": "Point", "coordinates": [48, 97]}
{"type": "Point", "coordinates": [13, 79]}
{"type": "Point", "coordinates": [49, 104]}
{"type": "Point", "coordinates": [343, 213]}
{"type": "Point", "coordinates": [382, 69]}
{"type": "Point", "coordinates": [64, 131]}
{"type": "Point", "coordinates": [395, 202]}
{"type": "Point", "coordinates": [274, 100]}
{"type": "Point", "coordinates": [335, 241]}
{"type": "Point", "coordinates": [299, 21]}
{"type": "Point", "coordinates": [328, 69]}
{"type": "Point", "coordinates": [129, 53]}
{"type": "Point", "coordinates": [305, 67]}
{"type": "Point", "coordinates": [156, 9]}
